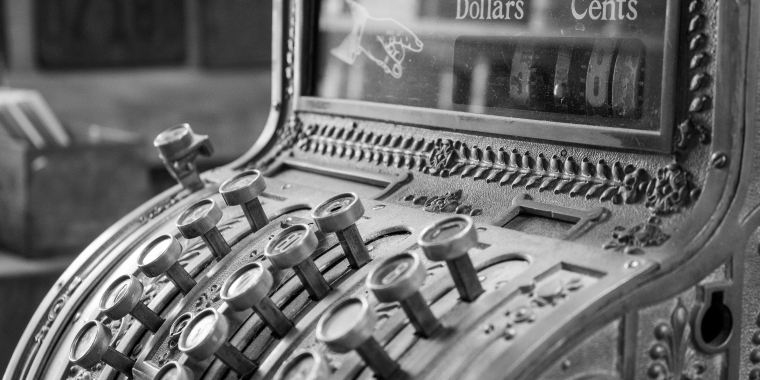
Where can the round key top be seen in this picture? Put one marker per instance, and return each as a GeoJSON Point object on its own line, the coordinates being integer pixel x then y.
{"type": "Point", "coordinates": [244, 190]}
{"type": "Point", "coordinates": [248, 288]}
{"type": "Point", "coordinates": [201, 219]}
{"type": "Point", "coordinates": [161, 256]}
{"type": "Point", "coordinates": [292, 248]}
{"type": "Point", "coordinates": [206, 335]}
{"type": "Point", "coordinates": [398, 279]}
{"type": "Point", "coordinates": [347, 326]}
{"type": "Point", "coordinates": [123, 297]}
{"type": "Point", "coordinates": [339, 215]}
{"type": "Point", "coordinates": [305, 365]}
{"type": "Point", "coordinates": [92, 345]}
{"type": "Point", "coordinates": [174, 371]}
{"type": "Point", "coordinates": [449, 240]}
{"type": "Point", "coordinates": [174, 141]}
{"type": "Point", "coordinates": [178, 148]}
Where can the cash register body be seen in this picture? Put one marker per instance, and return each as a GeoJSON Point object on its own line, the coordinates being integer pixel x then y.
{"type": "Point", "coordinates": [611, 244]}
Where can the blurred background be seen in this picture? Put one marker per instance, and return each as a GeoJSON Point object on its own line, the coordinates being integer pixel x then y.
{"type": "Point", "coordinates": [86, 86]}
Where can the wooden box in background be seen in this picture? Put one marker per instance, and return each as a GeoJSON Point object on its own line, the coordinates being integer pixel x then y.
{"type": "Point", "coordinates": [109, 33]}
{"type": "Point", "coordinates": [235, 33]}
{"type": "Point", "coordinates": [56, 200]}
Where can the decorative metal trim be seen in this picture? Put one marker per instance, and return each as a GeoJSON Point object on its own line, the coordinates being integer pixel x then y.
{"type": "Point", "coordinates": [671, 189]}
{"type": "Point", "coordinates": [357, 144]}
{"type": "Point", "coordinates": [286, 138]}
{"type": "Point", "coordinates": [451, 202]}
{"type": "Point", "coordinates": [672, 356]}
{"type": "Point", "coordinates": [617, 183]}
{"type": "Point", "coordinates": [699, 85]}
{"type": "Point", "coordinates": [630, 240]}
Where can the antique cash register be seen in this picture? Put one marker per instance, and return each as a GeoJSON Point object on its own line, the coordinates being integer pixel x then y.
{"type": "Point", "coordinates": [449, 189]}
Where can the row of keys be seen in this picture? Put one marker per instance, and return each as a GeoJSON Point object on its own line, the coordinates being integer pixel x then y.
{"type": "Point", "coordinates": [349, 324]}
{"type": "Point", "coordinates": [396, 279]}
{"type": "Point", "coordinates": [249, 286]}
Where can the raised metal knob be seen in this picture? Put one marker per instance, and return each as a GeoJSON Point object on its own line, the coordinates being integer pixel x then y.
{"type": "Point", "coordinates": [244, 190]}
{"type": "Point", "coordinates": [178, 148]}
{"type": "Point", "coordinates": [161, 256]}
{"type": "Point", "coordinates": [92, 345]}
{"type": "Point", "coordinates": [292, 248]}
{"type": "Point", "coordinates": [347, 326]}
{"type": "Point", "coordinates": [449, 240]}
{"type": "Point", "coordinates": [123, 297]}
{"type": "Point", "coordinates": [174, 371]}
{"type": "Point", "coordinates": [398, 279]}
{"type": "Point", "coordinates": [339, 214]}
{"type": "Point", "coordinates": [206, 336]}
{"type": "Point", "coordinates": [248, 288]}
{"type": "Point", "coordinates": [201, 219]}
{"type": "Point", "coordinates": [305, 365]}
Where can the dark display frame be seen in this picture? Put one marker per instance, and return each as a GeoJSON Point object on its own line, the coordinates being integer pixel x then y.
{"type": "Point", "coordinates": [657, 141]}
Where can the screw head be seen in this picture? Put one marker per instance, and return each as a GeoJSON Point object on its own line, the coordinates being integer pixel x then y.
{"type": "Point", "coordinates": [719, 160]}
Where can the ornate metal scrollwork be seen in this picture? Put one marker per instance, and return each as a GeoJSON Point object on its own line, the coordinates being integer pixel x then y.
{"type": "Point", "coordinates": [616, 183]}
{"type": "Point", "coordinates": [672, 357]}
{"type": "Point", "coordinates": [451, 202]}
{"type": "Point", "coordinates": [671, 189]}
{"type": "Point", "coordinates": [647, 234]}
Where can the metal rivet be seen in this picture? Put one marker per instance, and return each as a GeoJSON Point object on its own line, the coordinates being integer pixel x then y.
{"type": "Point", "coordinates": [719, 160]}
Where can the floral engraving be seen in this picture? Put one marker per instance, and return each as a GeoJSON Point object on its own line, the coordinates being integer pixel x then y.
{"type": "Point", "coordinates": [670, 190]}
{"type": "Point", "coordinates": [451, 202]}
{"type": "Point", "coordinates": [630, 240]}
{"type": "Point", "coordinates": [672, 357]}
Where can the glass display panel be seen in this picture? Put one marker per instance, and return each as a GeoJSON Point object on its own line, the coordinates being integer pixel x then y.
{"type": "Point", "coordinates": [592, 62]}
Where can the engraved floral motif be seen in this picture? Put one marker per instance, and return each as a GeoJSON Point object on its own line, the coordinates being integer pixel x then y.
{"type": "Point", "coordinates": [686, 132]}
{"type": "Point", "coordinates": [440, 158]}
{"type": "Point", "coordinates": [208, 298]}
{"type": "Point", "coordinates": [78, 373]}
{"type": "Point", "coordinates": [55, 309]}
{"type": "Point", "coordinates": [672, 357]}
{"type": "Point", "coordinates": [451, 202]}
{"type": "Point", "coordinates": [647, 234]}
{"type": "Point", "coordinates": [670, 190]}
